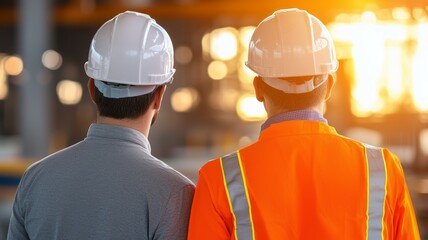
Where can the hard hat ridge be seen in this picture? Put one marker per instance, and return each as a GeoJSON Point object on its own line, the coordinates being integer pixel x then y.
{"type": "Point", "coordinates": [291, 43]}
{"type": "Point", "coordinates": [131, 49]}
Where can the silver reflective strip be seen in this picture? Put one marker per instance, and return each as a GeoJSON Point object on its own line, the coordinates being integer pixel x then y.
{"type": "Point", "coordinates": [377, 179]}
{"type": "Point", "coordinates": [237, 195]}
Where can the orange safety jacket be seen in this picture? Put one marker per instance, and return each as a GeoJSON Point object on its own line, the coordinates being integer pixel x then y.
{"type": "Point", "coordinates": [302, 180]}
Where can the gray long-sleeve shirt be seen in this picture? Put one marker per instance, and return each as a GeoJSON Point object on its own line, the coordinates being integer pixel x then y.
{"type": "Point", "coordinates": [107, 186]}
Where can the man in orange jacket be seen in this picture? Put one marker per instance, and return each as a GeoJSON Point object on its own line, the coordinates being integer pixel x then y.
{"type": "Point", "coordinates": [301, 179]}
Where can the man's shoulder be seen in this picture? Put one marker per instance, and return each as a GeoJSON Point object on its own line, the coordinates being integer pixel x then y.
{"type": "Point", "coordinates": [54, 157]}
{"type": "Point", "coordinates": [215, 165]}
{"type": "Point", "coordinates": [165, 173]}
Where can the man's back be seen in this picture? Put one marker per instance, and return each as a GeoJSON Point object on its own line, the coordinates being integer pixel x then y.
{"type": "Point", "coordinates": [105, 187]}
{"type": "Point", "coordinates": [303, 181]}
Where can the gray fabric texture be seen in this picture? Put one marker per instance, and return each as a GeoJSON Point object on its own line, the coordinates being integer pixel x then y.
{"type": "Point", "coordinates": [107, 186]}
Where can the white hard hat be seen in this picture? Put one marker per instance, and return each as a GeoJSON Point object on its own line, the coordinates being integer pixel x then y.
{"type": "Point", "coordinates": [292, 43]}
{"type": "Point", "coordinates": [130, 49]}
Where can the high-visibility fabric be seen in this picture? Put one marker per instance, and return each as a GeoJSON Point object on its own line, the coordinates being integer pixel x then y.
{"type": "Point", "coordinates": [305, 181]}
{"type": "Point", "coordinates": [237, 194]}
{"type": "Point", "coordinates": [376, 189]}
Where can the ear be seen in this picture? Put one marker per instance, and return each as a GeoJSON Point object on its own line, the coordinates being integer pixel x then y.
{"type": "Point", "coordinates": [330, 84]}
{"type": "Point", "coordinates": [257, 83]}
{"type": "Point", "coordinates": [158, 97]}
{"type": "Point", "coordinates": [91, 88]}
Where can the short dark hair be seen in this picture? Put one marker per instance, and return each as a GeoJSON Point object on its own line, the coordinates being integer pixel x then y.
{"type": "Point", "coordinates": [120, 108]}
{"type": "Point", "coordinates": [295, 101]}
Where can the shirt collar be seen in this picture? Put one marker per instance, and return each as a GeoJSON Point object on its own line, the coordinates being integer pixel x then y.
{"type": "Point", "coordinates": [112, 132]}
{"type": "Point", "coordinates": [310, 115]}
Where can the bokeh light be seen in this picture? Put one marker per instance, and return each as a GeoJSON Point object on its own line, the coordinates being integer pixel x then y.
{"type": "Point", "coordinates": [183, 54]}
{"type": "Point", "coordinates": [223, 43]}
{"type": "Point", "coordinates": [51, 59]}
{"type": "Point", "coordinates": [217, 70]}
{"type": "Point", "coordinates": [4, 90]}
{"type": "Point", "coordinates": [13, 65]}
{"type": "Point", "coordinates": [245, 34]}
{"type": "Point", "coordinates": [184, 99]}
{"type": "Point", "coordinates": [250, 109]}
{"type": "Point", "coordinates": [69, 92]}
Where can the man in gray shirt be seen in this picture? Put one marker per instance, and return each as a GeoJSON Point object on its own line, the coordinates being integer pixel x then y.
{"type": "Point", "coordinates": [109, 186]}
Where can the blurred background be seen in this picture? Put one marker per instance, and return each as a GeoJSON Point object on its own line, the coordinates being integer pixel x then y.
{"type": "Point", "coordinates": [380, 97]}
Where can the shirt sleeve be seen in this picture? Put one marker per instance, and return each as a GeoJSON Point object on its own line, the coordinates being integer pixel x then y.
{"type": "Point", "coordinates": [406, 226]}
{"type": "Point", "coordinates": [205, 220]}
{"type": "Point", "coordinates": [16, 224]}
{"type": "Point", "coordinates": [405, 222]}
{"type": "Point", "coordinates": [175, 218]}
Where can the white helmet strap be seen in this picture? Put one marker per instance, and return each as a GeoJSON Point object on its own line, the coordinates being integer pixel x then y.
{"type": "Point", "coordinates": [122, 91]}
{"type": "Point", "coordinates": [291, 87]}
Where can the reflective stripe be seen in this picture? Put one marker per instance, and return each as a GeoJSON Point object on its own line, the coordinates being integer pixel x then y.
{"type": "Point", "coordinates": [233, 176]}
{"type": "Point", "coordinates": [376, 192]}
